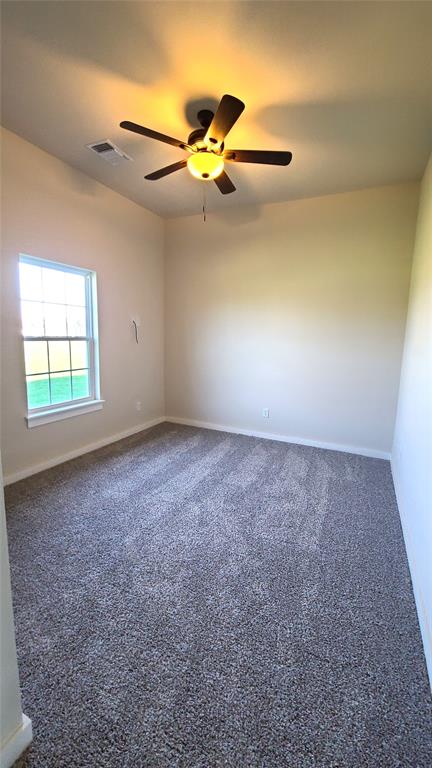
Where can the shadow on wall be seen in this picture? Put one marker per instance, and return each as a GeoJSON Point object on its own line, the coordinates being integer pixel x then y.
{"type": "Point", "coordinates": [94, 32]}
{"type": "Point", "coordinates": [355, 126]}
{"type": "Point", "coordinates": [81, 183]}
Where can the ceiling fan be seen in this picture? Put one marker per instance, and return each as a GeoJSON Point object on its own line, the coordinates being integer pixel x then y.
{"type": "Point", "coordinates": [206, 147]}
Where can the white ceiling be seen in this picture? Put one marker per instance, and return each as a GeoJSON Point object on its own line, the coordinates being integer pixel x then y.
{"type": "Point", "coordinates": [346, 86]}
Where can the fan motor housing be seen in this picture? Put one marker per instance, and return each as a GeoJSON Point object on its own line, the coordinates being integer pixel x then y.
{"type": "Point", "coordinates": [204, 117]}
{"type": "Point", "coordinates": [196, 136]}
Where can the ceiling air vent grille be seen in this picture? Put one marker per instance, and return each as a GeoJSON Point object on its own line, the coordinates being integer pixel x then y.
{"type": "Point", "coordinates": [109, 152]}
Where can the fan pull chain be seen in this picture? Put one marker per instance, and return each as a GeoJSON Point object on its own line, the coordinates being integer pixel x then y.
{"type": "Point", "coordinates": [204, 204]}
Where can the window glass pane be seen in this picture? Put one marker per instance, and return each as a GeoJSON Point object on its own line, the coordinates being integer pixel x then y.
{"type": "Point", "coordinates": [59, 356]}
{"type": "Point", "coordinates": [53, 283]}
{"type": "Point", "coordinates": [38, 393]}
{"type": "Point", "coordinates": [79, 354]}
{"type": "Point", "coordinates": [80, 384]}
{"type": "Point", "coordinates": [55, 320]}
{"type": "Point", "coordinates": [30, 282]}
{"type": "Point", "coordinates": [60, 387]}
{"type": "Point", "coordinates": [55, 303]}
{"type": "Point", "coordinates": [76, 321]}
{"type": "Point", "coordinates": [75, 289]}
{"type": "Point", "coordinates": [32, 318]}
{"type": "Point", "coordinates": [36, 357]}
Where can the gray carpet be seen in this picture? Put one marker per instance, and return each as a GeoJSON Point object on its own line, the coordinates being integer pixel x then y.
{"type": "Point", "coordinates": [193, 599]}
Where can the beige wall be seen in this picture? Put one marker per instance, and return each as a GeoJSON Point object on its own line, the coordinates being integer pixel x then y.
{"type": "Point", "coordinates": [298, 307]}
{"type": "Point", "coordinates": [54, 212]}
{"type": "Point", "coordinates": [412, 448]}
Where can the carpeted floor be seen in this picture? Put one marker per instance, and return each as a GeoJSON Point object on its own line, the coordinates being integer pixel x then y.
{"type": "Point", "coordinates": [194, 599]}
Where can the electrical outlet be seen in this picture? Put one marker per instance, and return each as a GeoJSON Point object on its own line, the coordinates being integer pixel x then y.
{"type": "Point", "coordinates": [138, 405]}
{"type": "Point", "coordinates": [266, 413]}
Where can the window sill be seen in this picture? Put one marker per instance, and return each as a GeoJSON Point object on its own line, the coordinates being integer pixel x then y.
{"type": "Point", "coordinates": [64, 412]}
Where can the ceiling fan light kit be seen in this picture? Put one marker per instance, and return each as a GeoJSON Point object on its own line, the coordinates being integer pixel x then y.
{"type": "Point", "coordinates": [205, 165]}
{"type": "Point", "coordinates": [206, 146]}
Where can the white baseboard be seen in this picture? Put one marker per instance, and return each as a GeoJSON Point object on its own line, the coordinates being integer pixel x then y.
{"type": "Point", "coordinates": [16, 744]}
{"type": "Point", "coordinates": [35, 468]}
{"type": "Point", "coordinates": [360, 451]}
{"type": "Point", "coordinates": [422, 612]}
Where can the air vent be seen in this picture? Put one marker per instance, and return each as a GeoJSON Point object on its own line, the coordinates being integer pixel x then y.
{"type": "Point", "coordinates": [109, 152]}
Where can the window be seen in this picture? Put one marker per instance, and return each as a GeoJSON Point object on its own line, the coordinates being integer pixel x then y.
{"type": "Point", "coordinates": [58, 310]}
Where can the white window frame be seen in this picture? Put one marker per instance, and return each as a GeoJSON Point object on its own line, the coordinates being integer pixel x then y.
{"type": "Point", "coordinates": [93, 402]}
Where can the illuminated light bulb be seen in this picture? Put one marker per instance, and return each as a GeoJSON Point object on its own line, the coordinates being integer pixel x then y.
{"type": "Point", "coordinates": [205, 165]}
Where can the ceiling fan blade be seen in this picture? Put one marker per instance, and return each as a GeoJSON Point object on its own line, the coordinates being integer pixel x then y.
{"type": "Point", "coordinates": [258, 156]}
{"type": "Point", "coordinates": [166, 171]}
{"type": "Point", "coordinates": [135, 128]}
{"type": "Point", "coordinates": [224, 183]}
{"type": "Point", "coordinates": [227, 113]}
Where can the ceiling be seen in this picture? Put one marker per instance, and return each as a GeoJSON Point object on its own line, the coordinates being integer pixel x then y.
{"type": "Point", "coordinates": [346, 86]}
